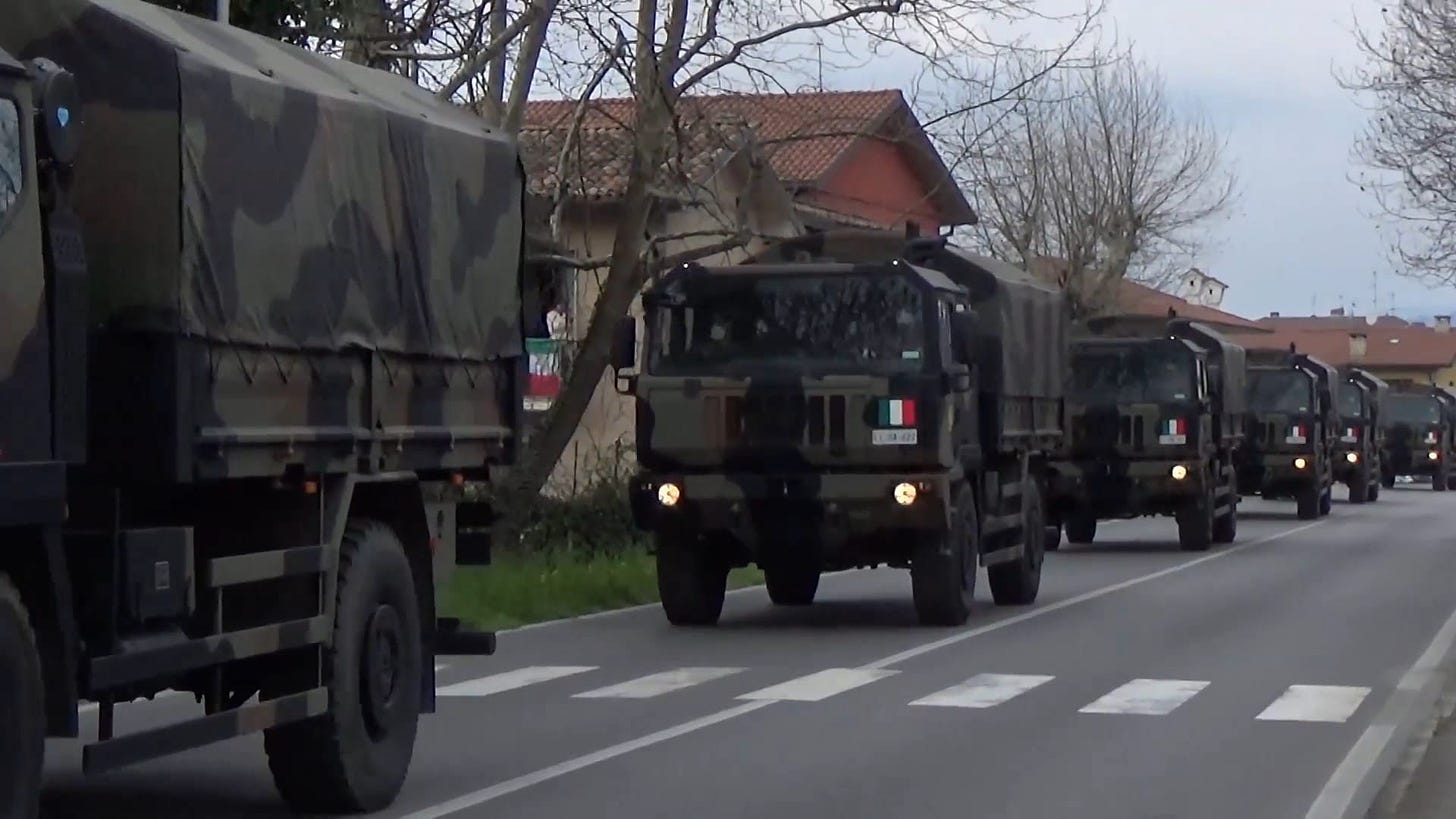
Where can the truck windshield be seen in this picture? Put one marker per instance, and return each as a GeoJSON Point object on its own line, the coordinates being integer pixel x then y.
{"type": "Point", "coordinates": [1283, 390]}
{"type": "Point", "coordinates": [1352, 401]}
{"type": "Point", "coordinates": [1413, 409]}
{"type": "Point", "coordinates": [1142, 373]}
{"type": "Point", "coordinates": [719, 324]}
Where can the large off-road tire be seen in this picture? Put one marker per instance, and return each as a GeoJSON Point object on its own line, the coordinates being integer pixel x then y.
{"type": "Point", "coordinates": [1053, 538]}
{"type": "Point", "coordinates": [792, 582]}
{"type": "Point", "coordinates": [1081, 528]}
{"type": "Point", "coordinates": [22, 709]}
{"type": "Point", "coordinates": [1388, 481]}
{"type": "Point", "coordinates": [1018, 582]}
{"type": "Point", "coordinates": [1226, 526]}
{"type": "Point", "coordinates": [1307, 503]}
{"type": "Point", "coordinates": [691, 579]}
{"type": "Point", "coordinates": [1438, 481]}
{"type": "Point", "coordinates": [943, 567]}
{"type": "Point", "coordinates": [1327, 500]}
{"type": "Point", "coordinates": [1195, 524]}
{"type": "Point", "coordinates": [1373, 491]}
{"type": "Point", "coordinates": [1360, 485]}
{"type": "Point", "coordinates": [354, 757]}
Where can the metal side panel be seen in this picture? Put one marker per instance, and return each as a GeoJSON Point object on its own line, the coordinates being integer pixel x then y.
{"type": "Point", "coordinates": [251, 568]}
{"type": "Point", "coordinates": [195, 733]}
{"type": "Point", "coordinates": [120, 669]}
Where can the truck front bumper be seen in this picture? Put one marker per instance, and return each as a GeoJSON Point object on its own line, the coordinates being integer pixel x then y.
{"type": "Point", "coordinates": [1422, 460]}
{"type": "Point", "coordinates": [1128, 487]}
{"type": "Point", "coordinates": [1350, 463]}
{"type": "Point", "coordinates": [1278, 472]}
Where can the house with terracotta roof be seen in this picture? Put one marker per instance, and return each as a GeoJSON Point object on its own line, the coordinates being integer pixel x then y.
{"type": "Point", "coordinates": [1125, 297]}
{"type": "Point", "coordinates": [775, 164]}
{"type": "Point", "coordinates": [1395, 352]}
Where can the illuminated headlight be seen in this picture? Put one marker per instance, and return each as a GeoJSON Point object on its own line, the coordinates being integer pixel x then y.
{"type": "Point", "coordinates": [1179, 472]}
{"type": "Point", "coordinates": [1433, 455]}
{"type": "Point", "coordinates": [668, 494]}
{"type": "Point", "coordinates": [1300, 463]}
{"type": "Point", "coordinates": [1352, 457]}
{"type": "Point", "coordinates": [905, 494]}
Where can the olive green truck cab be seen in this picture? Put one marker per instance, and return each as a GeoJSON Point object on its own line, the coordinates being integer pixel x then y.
{"type": "Point", "coordinates": [239, 393]}
{"type": "Point", "coordinates": [1360, 442]}
{"type": "Point", "coordinates": [1154, 417]}
{"type": "Point", "coordinates": [843, 400]}
{"type": "Point", "coordinates": [1420, 435]}
{"type": "Point", "coordinates": [1290, 430]}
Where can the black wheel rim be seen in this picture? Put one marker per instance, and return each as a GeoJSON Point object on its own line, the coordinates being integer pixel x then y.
{"type": "Point", "coordinates": [382, 669]}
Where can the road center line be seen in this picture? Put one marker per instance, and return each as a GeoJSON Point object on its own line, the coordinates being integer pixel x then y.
{"type": "Point", "coordinates": [560, 769]}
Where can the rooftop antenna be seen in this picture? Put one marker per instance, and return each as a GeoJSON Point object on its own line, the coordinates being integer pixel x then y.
{"type": "Point", "coordinates": [818, 48]}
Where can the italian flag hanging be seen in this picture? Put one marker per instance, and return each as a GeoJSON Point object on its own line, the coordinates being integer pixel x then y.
{"type": "Point", "coordinates": [544, 366]}
{"type": "Point", "coordinates": [897, 412]}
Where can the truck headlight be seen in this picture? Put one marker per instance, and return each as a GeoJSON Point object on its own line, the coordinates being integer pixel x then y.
{"type": "Point", "coordinates": [1179, 472]}
{"type": "Point", "coordinates": [1352, 457]}
{"type": "Point", "coordinates": [1432, 455]}
{"type": "Point", "coordinates": [668, 494]}
{"type": "Point", "coordinates": [905, 493]}
{"type": "Point", "coordinates": [1300, 463]}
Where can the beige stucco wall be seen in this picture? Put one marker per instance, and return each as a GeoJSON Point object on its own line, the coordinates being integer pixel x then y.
{"type": "Point", "coordinates": [606, 427]}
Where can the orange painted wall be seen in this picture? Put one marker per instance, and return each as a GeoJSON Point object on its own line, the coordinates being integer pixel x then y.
{"type": "Point", "coordinates": [877, 182]}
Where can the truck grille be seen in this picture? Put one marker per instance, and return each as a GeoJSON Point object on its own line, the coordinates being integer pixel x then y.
{"type": "Point", "coordinates": [1107, 429]}
{"type": "Point", "coordinates": [784, 419]}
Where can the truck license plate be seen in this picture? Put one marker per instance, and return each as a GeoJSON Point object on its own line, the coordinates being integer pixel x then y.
{"type": "Point", "coordinates": [893, 437]}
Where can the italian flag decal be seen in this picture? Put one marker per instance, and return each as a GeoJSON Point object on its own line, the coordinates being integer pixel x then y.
{"type": "Point", "coordinates": [897, 412]}
{"type": "Point", "coordinates": [1173, 431]}
{"type": "Point", "coordinates": [1351, 435]}
{"type": "Point", "coordinates": [1296, 434]}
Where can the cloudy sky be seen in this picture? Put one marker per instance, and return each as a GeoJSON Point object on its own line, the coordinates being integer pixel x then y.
{"type": "Point", "coordinates": [1300, 238]}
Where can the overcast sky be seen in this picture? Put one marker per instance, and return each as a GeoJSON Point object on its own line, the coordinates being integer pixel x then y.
{"type": "Point", "coordinates": [1300, 237]}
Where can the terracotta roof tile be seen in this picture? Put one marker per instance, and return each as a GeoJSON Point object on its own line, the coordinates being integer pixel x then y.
{"type": "Point", "coordinates": [1139, 298]}
{"type": "Point", "coordinates": [1388, 347]}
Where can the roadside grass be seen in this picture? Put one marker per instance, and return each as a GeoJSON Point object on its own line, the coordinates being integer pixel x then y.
{"type": "Point", "coordinates": [520, 588]}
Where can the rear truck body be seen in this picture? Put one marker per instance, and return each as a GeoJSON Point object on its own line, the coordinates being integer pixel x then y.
{"type": "Point", "coordinates": [1360, 437]}
{"type": "Point", "coordinates": [1154, 415]}
{"type": "Point", "coordinates": [846, 399]}
{"type": "Point", "coordinates": [1290, 430]}
{"type": "Point", "coordinates": [240, 392]}
{"type": "Point", "coordinates": [1420, 435]}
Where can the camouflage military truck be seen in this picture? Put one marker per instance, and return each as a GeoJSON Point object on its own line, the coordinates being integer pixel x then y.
{"type": "Point", "coordinates": [846, 400]}
{"type": "Point", "coordinates": [1420, 435]}
{"type": "Point", "coordinates": [1155, 414]}
{"type": "Point", "coordinates": [257, 325]}
{"type": "Point", "coordinates": [1290, 430]}
{"type": "Point", "coordinates": [1361, 438]}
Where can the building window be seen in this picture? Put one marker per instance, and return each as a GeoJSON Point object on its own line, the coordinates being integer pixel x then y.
{"type": "Point", "coordinates": [12, 159]}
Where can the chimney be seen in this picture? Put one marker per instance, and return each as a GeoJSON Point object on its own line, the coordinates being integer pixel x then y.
{"type": "Point", "coordinates": [1443, 324]}
{"type": "Point", "coordinates": [1338, 311]}
{"type": "Point", "coordinates": [1273, 314]}
{"type": "Point", "coordinates": [1357, 346]}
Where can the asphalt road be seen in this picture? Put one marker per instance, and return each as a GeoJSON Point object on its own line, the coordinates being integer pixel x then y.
{"type": "Point", "coordinates": [1145, 682]}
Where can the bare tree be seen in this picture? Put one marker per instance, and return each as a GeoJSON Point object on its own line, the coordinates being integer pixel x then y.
{"type": "Point", "coordinates": [1095, 178]}
{"type": "Point", "coordinates": [1409, 145]}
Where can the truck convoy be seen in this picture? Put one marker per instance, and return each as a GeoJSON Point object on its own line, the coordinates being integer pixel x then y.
{"type": "Point", "coordinates": [1155, 413]}
{"type": "Point", "coordinates": [256, 326]}
{"type": "Point", "coordinates": [1361, 436]}
{"type": "Point", "coordinates": [1290, 428]}
{"type": "Point", "coordinates": [1420, 435]}
{"type": "Point", "coordinates": [846, 399]}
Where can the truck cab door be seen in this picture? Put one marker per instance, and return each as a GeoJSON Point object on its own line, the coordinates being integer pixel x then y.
{"type": "Point", "coordinates": [25, 376]}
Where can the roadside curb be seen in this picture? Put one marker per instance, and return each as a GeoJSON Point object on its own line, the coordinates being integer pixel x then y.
{"type": "Point", "coordinates": [1392, 746]}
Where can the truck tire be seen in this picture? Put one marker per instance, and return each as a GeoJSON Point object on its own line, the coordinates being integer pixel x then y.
{"type": "Point", "coordinates": [1327, 500]}
{"type": "Point", "coordinates": [792, 582]}
{"type": "Point", "coordinates": [1081, 528]}
{"type": "Point", "coordinates": [1018, 582]}
{"type": "Point", "coordinates": [1373, 491]}
{"type": "Point", "coordinates": [944, 585]}
{"type": "Point", "coordinates": [1388, 481]}
{"type": "Point", "coordinates": [1438, 482]}
{"type": "Point", "coordinates": [1053, 539]}
{"type": "Point", "coordinates": [1307, 503]}
{"type": "Point", "coordinates": [354, 757]}
{"type": "Point", "coordinates": [1226, 526]}
{"type": "Point", "coordinates": [1360, 485]}
{"type": "Point", "coordinates": [1195, 524]}
{"type": "Point", "coordinates": [691, 579]}
{"type": "Point", "coordinates": [22, 709]}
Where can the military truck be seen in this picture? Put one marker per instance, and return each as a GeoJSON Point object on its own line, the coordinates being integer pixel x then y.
{"type": "Point", "coordinates": [1420, 435]}
{"type": "Point", "coordinates": [1289, 433]}
{"type": "Point", "coordinates": [1155, 413]}
{"type": "Point", "coordinates": [848, 399]}
{"type": "Point", "coordinates": [247, 357]}
{"type": "Point", "coordinates": [1361, 438]}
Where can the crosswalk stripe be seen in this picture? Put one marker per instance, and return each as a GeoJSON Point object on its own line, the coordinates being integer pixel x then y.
{"type": "Point", "coordinates": [985, 690]}
{"type": "Point", "coordinates": [508, 680]}
{"type": "Point", "coordinates": [1143, 696]}
{"type": "Point", "coordinates": [1315, 703]}
{"type": "Point", "coordinates": [664, 682]}
{"type": "Point", "coordinates": [819, 685]}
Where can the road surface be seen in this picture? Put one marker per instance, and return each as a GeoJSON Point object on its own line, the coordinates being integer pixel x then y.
{"type": "Point", "coordinates": [1145, 682]}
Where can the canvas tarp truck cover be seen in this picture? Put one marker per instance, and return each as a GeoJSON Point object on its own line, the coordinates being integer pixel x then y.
{"type": "Point", "coordinates": [248, 192]}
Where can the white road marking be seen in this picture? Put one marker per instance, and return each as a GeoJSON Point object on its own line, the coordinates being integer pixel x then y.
{"type": "Point", "coordinates": [1151, 697]}
{"type": "Point", "coordinates": [1379, 739]}
{"type": "Point", "coordinates": [665, 682]}
{"type": "Point", "coordinates": [508, 680]}
{"type": "Point", "coordinates": [819, 685]}
{"type": "Point", "coordinates": [985, 690]}
{"type": "Point", "coordinates": [510, 786]}
{"type": "Point", "coordinates": [1316, 703]}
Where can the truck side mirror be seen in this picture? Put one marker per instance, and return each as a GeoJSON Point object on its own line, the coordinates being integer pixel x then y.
{"type": "Point", "coordinates": [624, 344]}
{"type": "Point", "coordinates": [963, 336]}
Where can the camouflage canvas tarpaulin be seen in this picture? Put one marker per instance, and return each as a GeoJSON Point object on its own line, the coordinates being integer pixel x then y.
{"type": "Point", "coordinates": [248, 192]}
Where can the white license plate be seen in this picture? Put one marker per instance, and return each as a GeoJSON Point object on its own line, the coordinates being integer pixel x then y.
{"type": "Point", "coordinates": [893, 437]}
